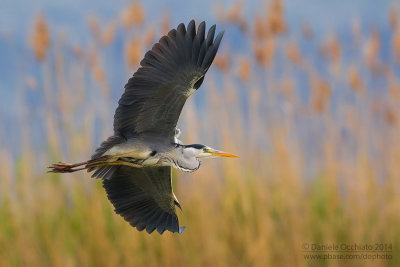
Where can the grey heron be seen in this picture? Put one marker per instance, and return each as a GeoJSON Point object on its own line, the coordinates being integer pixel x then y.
{"type": "Point", "coordinates": [135, 163]}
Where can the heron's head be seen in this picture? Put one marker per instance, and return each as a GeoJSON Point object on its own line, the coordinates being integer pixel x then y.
{"type": "Point", "coordinates": [203, 151]}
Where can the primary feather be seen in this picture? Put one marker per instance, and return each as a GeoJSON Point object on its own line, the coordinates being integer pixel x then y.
{"type": "Point", "coordinates": [169, 73]}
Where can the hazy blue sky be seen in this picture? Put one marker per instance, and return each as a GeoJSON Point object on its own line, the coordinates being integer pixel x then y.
{"type": "Point", "coordinates": [324, 15]}
{"type": "Point", "coordinates": [70, 16]}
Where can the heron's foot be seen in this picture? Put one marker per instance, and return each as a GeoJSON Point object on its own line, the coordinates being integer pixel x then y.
{"type": "Point", "coordinates": [66, 167]}
{"type": "Point", "coordinates": [63, 167]}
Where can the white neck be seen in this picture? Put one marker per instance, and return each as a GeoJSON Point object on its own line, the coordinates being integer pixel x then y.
{"type": "Point", "coordinates": [184, 159]}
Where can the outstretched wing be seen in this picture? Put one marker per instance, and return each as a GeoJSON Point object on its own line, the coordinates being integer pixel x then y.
{"type": "Point", "coordinates": [144, 198]}
{"type": "Point", "coordinates": [170, 72]}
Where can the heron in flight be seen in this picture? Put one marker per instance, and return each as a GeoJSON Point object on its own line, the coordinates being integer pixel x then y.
{"type": "Point", "coordinates": [135, 163]}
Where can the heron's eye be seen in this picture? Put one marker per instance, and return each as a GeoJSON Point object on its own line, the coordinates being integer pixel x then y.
{"type": "Point", "coordinates": [206, 150]}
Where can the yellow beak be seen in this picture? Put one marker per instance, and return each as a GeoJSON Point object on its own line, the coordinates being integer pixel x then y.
{"type": "Point", "coordinates": [218, 153]}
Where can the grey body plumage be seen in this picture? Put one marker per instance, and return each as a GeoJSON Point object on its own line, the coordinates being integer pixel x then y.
{"type": "Point", "coordinates": [135, 163]}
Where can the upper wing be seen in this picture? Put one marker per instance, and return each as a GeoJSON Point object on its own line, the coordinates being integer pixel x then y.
{"type": "Point", "coordinates": [170, 72]}
{"type": "Point", "coordinates": [144, 198]}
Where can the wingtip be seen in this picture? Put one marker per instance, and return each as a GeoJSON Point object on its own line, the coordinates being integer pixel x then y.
{"type": "Point", "coordinates": [213, 27]}
{"type": "Point", "coordinates": [181, 28]}
{"type": "Point", "coordinates": [202, 28]}
{"type": "Point", "coordinates": [150, 230]}
{"type": "Point", "coordinates": [221, 33]}
{"type": "Point", "coordinates": [218, 39]}
{"type": "Point", "coordinates": [161, 229]}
